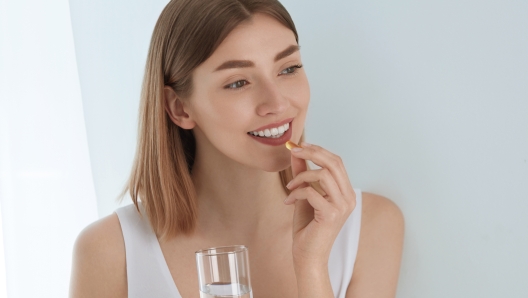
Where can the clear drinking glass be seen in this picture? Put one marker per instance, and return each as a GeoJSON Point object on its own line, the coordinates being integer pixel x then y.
{"type": "Point", "coordinates": [224, 272]}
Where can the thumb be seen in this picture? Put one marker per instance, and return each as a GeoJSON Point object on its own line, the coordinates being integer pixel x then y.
{"type": "Point", "coordinates": [298, 165]}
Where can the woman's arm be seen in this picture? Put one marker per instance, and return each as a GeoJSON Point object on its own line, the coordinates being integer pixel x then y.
{"type": "Point", "coordinates": [380, 249]}
{"type": "Point", "coordinates": [99, 264]}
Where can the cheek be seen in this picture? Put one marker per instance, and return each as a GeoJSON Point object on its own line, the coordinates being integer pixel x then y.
{"type": "Point", "coordinates": [225, 126]}
{"type": "Point", "coordinates": [301, 99]}
{"type": "Point", "coordinates": [299, 92]}
{"type": "Point", "coordinates": [305, 89]}
{"type": "Point", "coordinates": [221, 112]}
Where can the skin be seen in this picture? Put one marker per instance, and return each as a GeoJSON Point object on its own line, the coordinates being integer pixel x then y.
{"type": "Point", "coordinates": [289, 241]}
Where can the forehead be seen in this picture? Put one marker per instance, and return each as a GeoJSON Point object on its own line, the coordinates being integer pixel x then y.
{"type": "Point", "coordinates": [258, 39]}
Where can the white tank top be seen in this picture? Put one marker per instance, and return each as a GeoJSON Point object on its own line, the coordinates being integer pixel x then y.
{"type": "Point", "coordinates": [148, 274]}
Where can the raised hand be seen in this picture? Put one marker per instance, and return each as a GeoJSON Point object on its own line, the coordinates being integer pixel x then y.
{"type": "Point", "coordinates": [319, 214]}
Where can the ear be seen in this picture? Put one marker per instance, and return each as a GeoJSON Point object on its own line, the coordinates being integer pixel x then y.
{"type": "Point", "coordinates": [176, 109]}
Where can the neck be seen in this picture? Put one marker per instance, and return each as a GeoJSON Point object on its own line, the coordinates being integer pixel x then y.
{"type": "Point", "coordinates": [237, 200]}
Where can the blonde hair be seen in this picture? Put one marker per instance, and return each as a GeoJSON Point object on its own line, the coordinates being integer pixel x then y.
{"type": "Point", "coordinates": [186, 34]}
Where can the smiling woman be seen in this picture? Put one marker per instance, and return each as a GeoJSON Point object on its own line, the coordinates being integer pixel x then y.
{"type": "Point", "coordinates": [224, 90]}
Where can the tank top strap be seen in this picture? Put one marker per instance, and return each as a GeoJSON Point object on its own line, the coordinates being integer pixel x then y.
{"type": "Point", "coordinates": [147, 272]}
{"type": "Point", "coordinates": [344, 251]}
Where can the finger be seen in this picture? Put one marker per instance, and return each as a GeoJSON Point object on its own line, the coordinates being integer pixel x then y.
{"type": "Point", "coordinates": [325, 179]}
{"type": "Point", "coordinates": [298, 165]}
{"type": "Point", "coordinates": [330, 161]}
{"type": "Point", "coordinates": [311, 195]}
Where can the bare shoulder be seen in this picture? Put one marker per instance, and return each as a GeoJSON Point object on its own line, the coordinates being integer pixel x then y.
{"type": "Point", "coordinates": [99, 263]}
{"type": "Point", "coordinates": [379, 209]}
{"type": "Point", "coordinates": [378, 259]}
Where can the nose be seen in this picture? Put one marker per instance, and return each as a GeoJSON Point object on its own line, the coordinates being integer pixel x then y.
{"type": "Point", "coordinates": [271, 99]}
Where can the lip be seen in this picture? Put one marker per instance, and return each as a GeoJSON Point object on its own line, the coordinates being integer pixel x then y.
{"type": "Point", "coordinates": [273, 125]}
{"type": "Point", "coordinates": [275, 141]}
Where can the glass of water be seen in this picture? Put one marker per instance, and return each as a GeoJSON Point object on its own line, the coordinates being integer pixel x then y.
{"type": "Point", "coordinates": [224, 272]}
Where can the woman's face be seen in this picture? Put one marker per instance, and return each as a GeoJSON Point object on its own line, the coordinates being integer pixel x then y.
{"type": "Point", "coordinates": [228, 103]}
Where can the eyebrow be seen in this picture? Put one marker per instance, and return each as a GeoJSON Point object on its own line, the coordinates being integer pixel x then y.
{"type": "Point", "coordinates": [246, 63]}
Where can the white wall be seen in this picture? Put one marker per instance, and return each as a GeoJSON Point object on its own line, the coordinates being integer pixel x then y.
{"type": "Point", "coordinates": [426, 102]}
{"type": "Point", "coordinates": [111, 44]}
{"type": "Point", "coordinates": [430, 100]}
{"type": "Point", "coordinates": [46, 190]}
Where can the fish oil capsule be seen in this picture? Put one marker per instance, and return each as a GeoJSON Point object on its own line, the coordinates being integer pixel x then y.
{"type": "Point", "coordinates": [290, 145]}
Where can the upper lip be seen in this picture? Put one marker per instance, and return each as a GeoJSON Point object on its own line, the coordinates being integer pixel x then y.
{"type": "Point", "coordinates": [274, 125]}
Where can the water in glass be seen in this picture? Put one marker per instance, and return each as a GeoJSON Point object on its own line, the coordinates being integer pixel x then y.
{"type": "Point", "coordinates": [225, 290]}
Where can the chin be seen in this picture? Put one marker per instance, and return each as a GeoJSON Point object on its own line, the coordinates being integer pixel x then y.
{"type": "Point", "coordinates": [276, 165]}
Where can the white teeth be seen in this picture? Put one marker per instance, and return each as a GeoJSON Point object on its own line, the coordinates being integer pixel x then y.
{"type": "Point", "coordinates": [272, 133]}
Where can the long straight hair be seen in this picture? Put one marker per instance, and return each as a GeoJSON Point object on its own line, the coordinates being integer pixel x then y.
{"type": "Point", "coordinates": [186, 34]}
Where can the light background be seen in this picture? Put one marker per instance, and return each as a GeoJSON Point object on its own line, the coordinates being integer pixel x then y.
{"type": "Point", "coordinates": [46, 189]}
{"type": "Point", "coordinates": [426, 102]}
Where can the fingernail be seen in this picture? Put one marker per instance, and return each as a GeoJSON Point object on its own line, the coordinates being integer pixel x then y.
{"type": "Point", "coordinates": [297, 149]}
{"type": "Point", "coordinates": [289, 184]}
{"type": "Point", "coordinates": [304, 144]}
{"type": "Point", "coordinates": [285, 200]}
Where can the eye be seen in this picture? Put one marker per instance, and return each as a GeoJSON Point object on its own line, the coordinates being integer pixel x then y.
{"type": "Point", "coordinates": [235, 85]}
{"type": "Point", "coordinates": [292, 69]}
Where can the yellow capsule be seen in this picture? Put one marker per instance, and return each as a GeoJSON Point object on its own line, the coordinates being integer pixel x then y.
{"type": "Point", "coordinates": [290, 145]}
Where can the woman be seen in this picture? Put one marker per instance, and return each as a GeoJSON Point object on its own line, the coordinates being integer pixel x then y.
{"type": "Point", "coordinates": [221, 76]}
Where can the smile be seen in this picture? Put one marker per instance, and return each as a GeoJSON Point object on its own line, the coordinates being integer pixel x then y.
{"type": "Point", "coordinates": [275, 132]}
{"type": "Point", "coordinates": [274, 136]}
